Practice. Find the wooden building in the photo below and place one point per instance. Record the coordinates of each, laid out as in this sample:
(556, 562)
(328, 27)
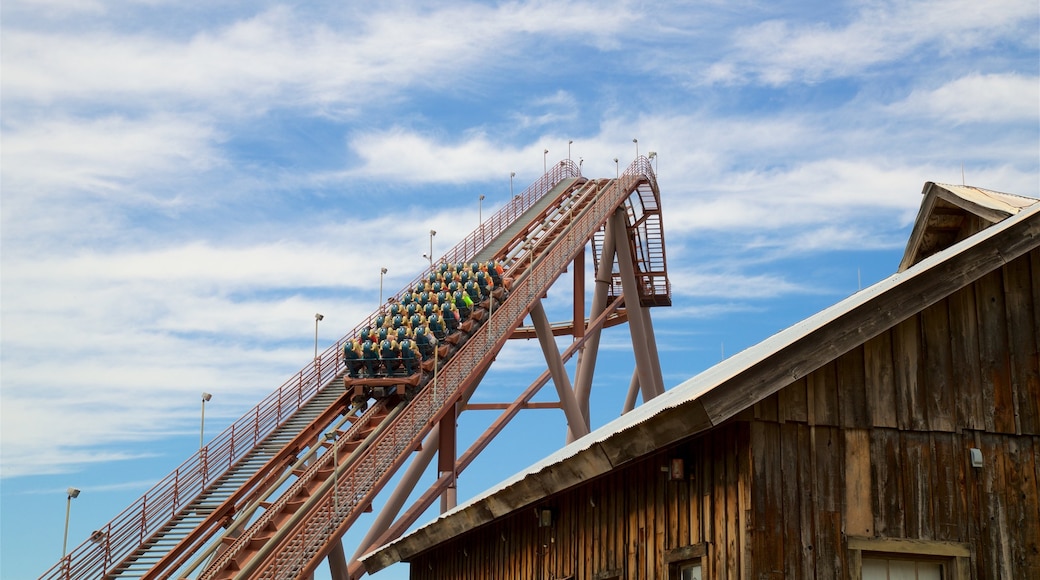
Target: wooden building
(893, 435)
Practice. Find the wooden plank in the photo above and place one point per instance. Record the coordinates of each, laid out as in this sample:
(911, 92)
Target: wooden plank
(1023, 507)
(797, 530)
(906, 349)
(1025, 374)
(662, 511)
(971, 399)
(859, 514)
(744, 486)
(852, 396)
(825, 390)
(887, 493)
(672, 508)
(707, 512)
(1034, 268)
(792, 402)
(830, 494)
(917, 492)
(909, 546)
(879, 380)
(808, 505)
(766, 409)
(732, 509)
(994, 511)
(994, 355)
(947, 488)
(938, 367)
(767, 508)
(696, 516)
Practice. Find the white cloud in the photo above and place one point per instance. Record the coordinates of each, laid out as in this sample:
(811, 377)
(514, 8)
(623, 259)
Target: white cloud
(278, 58)
(780, 51)
(108, 156)
(977, 98)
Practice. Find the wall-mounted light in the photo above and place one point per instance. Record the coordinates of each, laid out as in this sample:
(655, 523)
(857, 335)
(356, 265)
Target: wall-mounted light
(976, 457)
(545, 517)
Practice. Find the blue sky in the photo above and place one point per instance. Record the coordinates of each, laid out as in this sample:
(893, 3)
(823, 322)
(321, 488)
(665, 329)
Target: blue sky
(185, 185)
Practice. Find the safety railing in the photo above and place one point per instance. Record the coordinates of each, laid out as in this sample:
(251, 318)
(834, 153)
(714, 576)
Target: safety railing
(118, 539)
(335, 510)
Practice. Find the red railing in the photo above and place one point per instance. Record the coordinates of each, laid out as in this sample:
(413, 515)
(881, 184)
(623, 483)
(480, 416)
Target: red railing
(119, 538)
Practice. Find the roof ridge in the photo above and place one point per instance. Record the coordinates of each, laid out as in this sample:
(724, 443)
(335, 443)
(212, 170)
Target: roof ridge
(986, 190)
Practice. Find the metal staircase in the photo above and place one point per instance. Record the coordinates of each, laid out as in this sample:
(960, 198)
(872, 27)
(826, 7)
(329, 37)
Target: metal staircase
(216, 502)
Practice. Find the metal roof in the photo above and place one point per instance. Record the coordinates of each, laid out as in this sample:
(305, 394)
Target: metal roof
(738, 382)
(950, 213)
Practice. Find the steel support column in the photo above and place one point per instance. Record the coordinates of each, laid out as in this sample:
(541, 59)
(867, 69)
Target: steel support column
(633, 392)
(446, 459)
(576, 426)
(579, 295)
(647, 363)
(587, 361)
(338, 562)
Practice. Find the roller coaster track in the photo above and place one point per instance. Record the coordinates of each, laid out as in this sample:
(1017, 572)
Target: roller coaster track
(271, 496)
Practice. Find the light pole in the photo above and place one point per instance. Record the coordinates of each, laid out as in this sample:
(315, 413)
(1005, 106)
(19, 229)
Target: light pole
(636, 141)
(480, 210)
(382, 272)
(545, 156)
(317, 318)
(569, 149)
(202, 423)
(512, 174)
(71, 493)
(430, 256)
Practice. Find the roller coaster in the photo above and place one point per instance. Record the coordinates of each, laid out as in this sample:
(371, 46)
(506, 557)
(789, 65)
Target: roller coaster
(273, 495)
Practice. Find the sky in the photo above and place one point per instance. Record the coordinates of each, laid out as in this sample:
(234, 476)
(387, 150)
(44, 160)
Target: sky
(184, 184)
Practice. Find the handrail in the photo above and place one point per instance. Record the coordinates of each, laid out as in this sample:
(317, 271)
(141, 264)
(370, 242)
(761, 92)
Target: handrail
(129, 530)
(430, 404)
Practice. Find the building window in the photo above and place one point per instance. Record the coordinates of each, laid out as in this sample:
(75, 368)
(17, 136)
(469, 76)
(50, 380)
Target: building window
(885, 568)
(690, 571)
(903, 559)
(686, 563)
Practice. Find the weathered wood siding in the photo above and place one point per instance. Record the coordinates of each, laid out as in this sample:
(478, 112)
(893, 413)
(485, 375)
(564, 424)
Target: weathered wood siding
(886, 431)
(874, 444)
(618, 525)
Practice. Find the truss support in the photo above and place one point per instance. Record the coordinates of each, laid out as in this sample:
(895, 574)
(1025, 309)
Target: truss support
(576, 426)
(647, 363)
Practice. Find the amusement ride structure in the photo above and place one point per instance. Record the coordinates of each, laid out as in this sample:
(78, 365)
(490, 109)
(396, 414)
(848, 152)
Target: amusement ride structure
(273, 495)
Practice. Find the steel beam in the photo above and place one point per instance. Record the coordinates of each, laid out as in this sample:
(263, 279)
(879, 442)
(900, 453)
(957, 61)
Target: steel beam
(633, 392)
(338, 562)
(576, 426)
(647, 363)
(587, 358)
